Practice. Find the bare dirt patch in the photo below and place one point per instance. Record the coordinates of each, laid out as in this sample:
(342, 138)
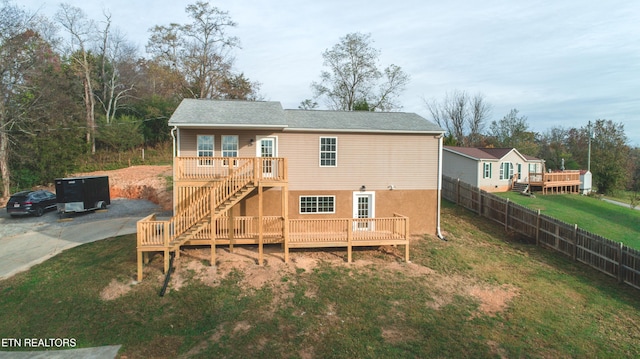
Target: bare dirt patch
(139, 182)
(115, 290)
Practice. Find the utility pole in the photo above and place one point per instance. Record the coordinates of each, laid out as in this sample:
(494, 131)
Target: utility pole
(589, 153)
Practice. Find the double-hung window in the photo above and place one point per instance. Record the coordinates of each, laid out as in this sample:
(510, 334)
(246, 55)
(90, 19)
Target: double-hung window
(328, 151)
(230, 148)
(205, 149)
(317, 204)
(486, 170)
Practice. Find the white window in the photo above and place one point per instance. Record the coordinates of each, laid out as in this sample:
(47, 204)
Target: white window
(328, 151)
(205, 149)
(487, 170)
(317, 204)
(506, 170)
(229, 148)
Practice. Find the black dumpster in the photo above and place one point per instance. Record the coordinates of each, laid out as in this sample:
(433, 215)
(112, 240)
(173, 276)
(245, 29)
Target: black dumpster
(81, 194)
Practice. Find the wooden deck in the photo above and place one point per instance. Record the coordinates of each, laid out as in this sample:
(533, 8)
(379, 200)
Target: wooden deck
(208, 187)
(155, 235)
(556, 182)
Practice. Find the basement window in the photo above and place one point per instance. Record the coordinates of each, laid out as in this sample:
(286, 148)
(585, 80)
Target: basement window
(317, 204)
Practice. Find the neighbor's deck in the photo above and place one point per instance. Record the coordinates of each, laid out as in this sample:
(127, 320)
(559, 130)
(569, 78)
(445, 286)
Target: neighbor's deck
(556, 182)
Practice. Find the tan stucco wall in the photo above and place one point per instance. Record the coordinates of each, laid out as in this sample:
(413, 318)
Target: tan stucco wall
(419, 205)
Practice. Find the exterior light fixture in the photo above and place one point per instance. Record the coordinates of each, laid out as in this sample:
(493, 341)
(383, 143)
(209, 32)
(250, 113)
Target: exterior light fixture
(363, 188)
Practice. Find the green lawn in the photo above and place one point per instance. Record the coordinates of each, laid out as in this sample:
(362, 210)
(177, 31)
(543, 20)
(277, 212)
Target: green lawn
(617, 223)
(481, 294)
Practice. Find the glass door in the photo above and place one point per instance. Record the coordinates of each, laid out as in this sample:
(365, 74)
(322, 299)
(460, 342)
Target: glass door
(363, 207)
(267, 149)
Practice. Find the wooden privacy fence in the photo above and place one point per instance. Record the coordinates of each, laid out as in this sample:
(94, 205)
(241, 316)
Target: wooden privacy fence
(609, 257)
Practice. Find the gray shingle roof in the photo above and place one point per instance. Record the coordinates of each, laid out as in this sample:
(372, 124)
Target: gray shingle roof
(486, 153)
(257, 114)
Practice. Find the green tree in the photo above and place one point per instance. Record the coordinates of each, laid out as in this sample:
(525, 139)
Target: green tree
(353, 77)
(512, 131)
(610, 156)
(553, 149)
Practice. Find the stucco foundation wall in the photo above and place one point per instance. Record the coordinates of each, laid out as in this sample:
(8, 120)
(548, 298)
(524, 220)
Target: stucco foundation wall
(419, 205)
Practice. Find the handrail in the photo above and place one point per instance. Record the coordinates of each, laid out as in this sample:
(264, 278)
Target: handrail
(212, 197)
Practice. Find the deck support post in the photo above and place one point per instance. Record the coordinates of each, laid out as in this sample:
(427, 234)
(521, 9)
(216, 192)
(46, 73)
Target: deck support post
(406, 236)
(260, 225)
(285, 224)
(212, 228)
(350, 224)
(232, 229)
(140, 260)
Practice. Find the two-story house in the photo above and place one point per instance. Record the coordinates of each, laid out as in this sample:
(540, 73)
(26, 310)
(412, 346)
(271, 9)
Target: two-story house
(253, 172)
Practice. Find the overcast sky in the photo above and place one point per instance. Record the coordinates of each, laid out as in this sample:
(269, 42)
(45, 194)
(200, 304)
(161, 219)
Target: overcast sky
(560, 63)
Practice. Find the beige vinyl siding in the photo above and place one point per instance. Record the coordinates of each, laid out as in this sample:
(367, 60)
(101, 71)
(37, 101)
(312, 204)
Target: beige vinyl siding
(377, 161)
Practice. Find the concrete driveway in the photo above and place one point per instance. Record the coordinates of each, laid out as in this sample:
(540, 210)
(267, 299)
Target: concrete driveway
(25, 242)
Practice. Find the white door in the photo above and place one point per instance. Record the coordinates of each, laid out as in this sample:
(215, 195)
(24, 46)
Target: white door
(267, 147)
(363, 207)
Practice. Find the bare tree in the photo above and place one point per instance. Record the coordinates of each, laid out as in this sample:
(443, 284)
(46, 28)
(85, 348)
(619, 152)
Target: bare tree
(480, 113)
(353, 77)
(462, 116)
(114, 53)
(82, 31)
(200, 51)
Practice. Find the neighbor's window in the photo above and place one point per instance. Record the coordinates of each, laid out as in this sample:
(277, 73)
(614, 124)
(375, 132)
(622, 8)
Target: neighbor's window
(317, 204)
(506, 170)
(487, 170)
(230, 148)
(205, 149)
(328, 151)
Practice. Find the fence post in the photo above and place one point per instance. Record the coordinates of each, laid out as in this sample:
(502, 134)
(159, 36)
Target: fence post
(575, 242)
(506, 216)
(458, 192)
(538, 229)
(620, 264)
(479, 201)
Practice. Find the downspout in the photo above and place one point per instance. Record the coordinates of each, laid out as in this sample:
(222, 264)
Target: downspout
(173, 165)
(438, 232)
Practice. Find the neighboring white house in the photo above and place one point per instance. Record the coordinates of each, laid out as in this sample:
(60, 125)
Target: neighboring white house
(490, 169)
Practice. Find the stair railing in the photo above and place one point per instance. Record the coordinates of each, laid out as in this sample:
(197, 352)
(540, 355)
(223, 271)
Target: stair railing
(210, 198)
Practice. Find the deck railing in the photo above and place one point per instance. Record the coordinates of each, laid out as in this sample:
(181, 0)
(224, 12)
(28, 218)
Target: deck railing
(311, 232)
(211, 168)
(565, 176)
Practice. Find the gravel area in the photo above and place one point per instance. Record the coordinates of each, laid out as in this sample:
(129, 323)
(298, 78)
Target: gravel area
(119, 208)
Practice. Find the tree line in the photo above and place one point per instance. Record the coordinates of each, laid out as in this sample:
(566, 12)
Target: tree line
(614, 164)
(71, 85)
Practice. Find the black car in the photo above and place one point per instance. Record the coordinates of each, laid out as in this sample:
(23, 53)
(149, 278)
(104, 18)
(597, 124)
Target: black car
(31, 202)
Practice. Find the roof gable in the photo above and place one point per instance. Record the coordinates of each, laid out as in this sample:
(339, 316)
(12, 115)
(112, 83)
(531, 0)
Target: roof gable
(486, 153)
(258, 114)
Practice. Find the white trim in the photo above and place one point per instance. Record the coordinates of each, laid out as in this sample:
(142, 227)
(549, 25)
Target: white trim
(372, 208)
(316, 212)
(369, 226)
(320, 151)
(213, 150)
(275, 145)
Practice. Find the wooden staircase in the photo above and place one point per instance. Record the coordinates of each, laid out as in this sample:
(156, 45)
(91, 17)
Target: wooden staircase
(204, 222)
(520, 187)
(188, 223)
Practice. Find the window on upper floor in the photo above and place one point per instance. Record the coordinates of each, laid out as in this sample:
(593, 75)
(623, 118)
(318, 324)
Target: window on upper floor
(205, 149)
(229, 148)
(328, 151)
